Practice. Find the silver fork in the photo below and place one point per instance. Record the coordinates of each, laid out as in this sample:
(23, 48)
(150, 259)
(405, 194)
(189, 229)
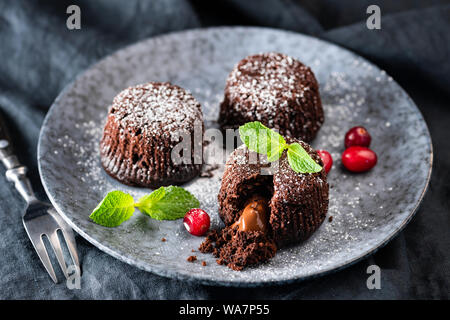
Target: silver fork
(40, 219)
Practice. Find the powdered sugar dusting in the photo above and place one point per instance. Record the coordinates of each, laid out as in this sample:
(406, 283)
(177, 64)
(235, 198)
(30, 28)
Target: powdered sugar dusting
(157, 109)
(268, 83)
(285, 179)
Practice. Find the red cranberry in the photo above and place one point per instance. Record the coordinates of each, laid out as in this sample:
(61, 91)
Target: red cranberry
(326, 158)
(359, 159)
(357, 136)
(197, 222)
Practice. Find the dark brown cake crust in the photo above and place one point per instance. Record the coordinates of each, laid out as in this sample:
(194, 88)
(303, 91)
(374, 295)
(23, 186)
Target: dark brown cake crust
(144, 124)
(298, 201)
(238, 249)
(277, 90)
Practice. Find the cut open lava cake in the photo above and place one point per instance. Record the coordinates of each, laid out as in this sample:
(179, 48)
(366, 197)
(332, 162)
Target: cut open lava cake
(264, 212)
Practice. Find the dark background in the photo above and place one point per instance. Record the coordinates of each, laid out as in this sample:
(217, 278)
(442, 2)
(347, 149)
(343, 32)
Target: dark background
(39, 56)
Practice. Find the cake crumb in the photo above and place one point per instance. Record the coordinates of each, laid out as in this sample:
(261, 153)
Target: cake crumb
(204, 263)
(245, 248)
(193, 250)
(330, 218)
(163, 240)
(191, 258)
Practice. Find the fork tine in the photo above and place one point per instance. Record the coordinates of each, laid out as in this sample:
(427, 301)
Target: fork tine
(56, 245)
(39, 246)
(68, 237)
(71, 245)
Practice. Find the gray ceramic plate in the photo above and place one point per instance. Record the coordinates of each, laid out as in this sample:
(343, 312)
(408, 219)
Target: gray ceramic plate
(368, 209)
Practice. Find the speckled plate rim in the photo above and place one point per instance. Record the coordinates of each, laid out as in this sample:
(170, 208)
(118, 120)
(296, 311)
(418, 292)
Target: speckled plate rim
(174, 275)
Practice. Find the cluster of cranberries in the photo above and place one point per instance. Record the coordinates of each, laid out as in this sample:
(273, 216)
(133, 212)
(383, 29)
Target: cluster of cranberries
(357, 156)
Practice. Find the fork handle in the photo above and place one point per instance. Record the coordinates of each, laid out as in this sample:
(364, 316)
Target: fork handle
(7, 156)
(15, 172)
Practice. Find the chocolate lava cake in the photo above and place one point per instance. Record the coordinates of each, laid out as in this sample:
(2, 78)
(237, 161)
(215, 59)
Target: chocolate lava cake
(280, 209)
(144, 124)
(277, 90)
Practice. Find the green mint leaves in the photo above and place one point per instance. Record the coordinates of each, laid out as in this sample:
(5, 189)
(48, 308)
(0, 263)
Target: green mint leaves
(260, 139)
(300, 160)
(114, 209)
(165, 203)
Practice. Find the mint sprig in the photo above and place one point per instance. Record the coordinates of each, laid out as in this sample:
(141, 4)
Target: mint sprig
(114, 209)
(165, 203)
(259, 138)
(300, 160)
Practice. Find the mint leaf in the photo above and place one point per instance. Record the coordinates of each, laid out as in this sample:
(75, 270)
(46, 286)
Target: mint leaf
(258, 138)
(300, 161)
(167, 203)
(114, 209)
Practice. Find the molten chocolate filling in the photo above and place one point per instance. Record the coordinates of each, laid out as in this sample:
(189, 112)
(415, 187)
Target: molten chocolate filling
(254, 216)
(247, 241)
